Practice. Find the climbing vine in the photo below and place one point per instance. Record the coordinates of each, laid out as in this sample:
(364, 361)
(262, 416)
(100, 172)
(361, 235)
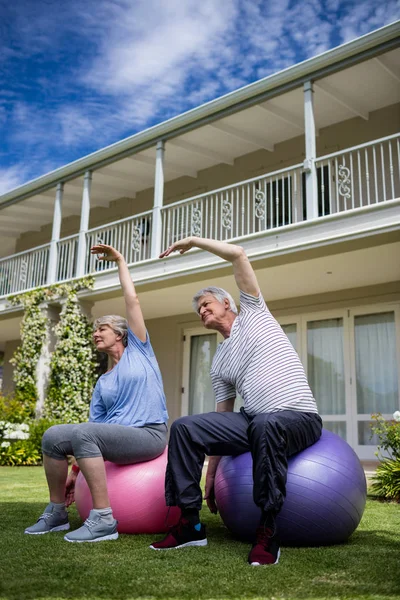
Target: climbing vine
(73, 358)
(73, 365)
(25, 359)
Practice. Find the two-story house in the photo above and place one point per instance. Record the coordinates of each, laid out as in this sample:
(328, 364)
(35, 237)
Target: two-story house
(302, 169)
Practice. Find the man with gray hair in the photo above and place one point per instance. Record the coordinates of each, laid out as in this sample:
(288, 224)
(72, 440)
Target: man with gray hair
(279, 417)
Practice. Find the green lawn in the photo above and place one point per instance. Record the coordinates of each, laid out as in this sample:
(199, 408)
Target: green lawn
(42, 567)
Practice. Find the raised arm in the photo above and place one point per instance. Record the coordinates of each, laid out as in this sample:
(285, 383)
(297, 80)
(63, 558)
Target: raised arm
(243, 271)
(134, 314)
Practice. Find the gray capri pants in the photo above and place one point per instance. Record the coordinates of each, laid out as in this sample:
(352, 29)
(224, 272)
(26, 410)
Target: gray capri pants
(119, 444)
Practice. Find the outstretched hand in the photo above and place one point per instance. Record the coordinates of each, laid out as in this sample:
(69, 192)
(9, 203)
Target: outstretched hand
(181, 246)
(108, 252)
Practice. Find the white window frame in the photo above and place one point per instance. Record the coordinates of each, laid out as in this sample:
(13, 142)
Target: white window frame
(351, 417)
(368, 452)
(187, 337)
(294, 320)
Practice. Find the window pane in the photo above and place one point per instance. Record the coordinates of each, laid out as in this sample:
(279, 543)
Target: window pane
(365, 437)
(376, 366)
(201, 395)
(326, 365)
(338, 427)
(291, 332)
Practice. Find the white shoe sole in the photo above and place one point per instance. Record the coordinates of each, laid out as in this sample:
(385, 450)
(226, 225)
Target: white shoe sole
(257, 564)
(58, 528)
(112, 536)
(197, 543)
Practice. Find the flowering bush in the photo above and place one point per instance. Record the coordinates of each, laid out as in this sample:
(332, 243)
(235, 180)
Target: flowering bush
(25, 359)
(20, 437)
(73, 366)
(386, 482)
(14, 448)
(73, 362)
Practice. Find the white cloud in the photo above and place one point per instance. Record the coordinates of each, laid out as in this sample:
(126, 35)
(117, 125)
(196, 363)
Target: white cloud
(11, 178)
(147, 60)
(360, 18)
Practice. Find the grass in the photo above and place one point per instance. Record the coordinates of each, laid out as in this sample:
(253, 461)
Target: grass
(46, 567)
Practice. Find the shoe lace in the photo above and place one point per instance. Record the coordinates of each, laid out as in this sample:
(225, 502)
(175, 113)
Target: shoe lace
(263, 536)
(45, 517)
(178, 527)
(90, 523)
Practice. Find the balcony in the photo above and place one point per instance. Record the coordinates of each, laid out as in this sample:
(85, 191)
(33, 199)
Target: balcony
(343, 183)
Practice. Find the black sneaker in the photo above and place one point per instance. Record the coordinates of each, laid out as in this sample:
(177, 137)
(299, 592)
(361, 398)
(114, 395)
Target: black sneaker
(266, 549)
(184, 534)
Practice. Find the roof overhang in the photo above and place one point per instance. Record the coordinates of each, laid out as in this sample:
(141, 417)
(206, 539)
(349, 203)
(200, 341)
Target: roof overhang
(357, 50)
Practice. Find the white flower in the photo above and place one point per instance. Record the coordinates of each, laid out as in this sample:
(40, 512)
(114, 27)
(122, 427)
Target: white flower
(5, 444)
(396, 415)
(17, 435)
(24, 427)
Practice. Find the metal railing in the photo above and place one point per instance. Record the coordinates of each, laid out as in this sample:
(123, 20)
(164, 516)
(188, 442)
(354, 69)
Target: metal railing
(357, 177)
(251, 206)
(67, 256)
(24, 271)
(360, 176)
(131, 236)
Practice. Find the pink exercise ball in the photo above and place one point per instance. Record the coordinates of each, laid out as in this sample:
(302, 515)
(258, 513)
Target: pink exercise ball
(136, 496)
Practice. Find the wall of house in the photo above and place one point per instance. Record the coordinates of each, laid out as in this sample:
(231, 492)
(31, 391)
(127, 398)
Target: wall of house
(336, 137)
(167, 333)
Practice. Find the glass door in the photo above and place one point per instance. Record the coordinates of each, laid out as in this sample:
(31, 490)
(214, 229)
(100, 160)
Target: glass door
(375, 371)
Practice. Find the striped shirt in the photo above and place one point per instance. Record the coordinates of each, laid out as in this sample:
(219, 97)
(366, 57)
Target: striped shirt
(259, 362)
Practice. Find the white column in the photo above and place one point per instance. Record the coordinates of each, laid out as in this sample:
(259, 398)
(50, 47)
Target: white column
(309, 163)
(156, 227)
(84, 226)
(55, 234)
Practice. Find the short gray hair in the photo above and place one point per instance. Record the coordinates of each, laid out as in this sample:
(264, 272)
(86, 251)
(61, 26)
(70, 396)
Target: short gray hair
(218, 293)
(118, 324)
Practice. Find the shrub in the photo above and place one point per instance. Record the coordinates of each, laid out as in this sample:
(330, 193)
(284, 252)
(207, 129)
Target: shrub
(386, 481)
(25, 359)
(13, 410)
(73, 365)
(20, 436)
(18, 454)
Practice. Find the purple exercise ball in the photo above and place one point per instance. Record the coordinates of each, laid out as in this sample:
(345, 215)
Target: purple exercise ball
(325, 499)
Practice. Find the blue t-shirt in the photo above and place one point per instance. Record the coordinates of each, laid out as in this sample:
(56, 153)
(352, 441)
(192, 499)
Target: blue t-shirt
(132, 392)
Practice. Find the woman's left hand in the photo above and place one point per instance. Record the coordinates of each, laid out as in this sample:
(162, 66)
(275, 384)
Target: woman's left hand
(109, 253)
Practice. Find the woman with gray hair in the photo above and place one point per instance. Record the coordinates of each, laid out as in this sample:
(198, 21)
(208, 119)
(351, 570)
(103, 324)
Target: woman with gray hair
(127, 419)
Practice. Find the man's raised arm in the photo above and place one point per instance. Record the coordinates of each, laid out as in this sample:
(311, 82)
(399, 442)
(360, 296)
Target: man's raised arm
(243, 271)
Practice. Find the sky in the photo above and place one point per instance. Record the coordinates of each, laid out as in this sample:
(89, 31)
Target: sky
(78, 75)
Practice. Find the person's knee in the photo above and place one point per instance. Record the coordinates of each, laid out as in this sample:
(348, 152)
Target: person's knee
(85, 442)
(179, 424)
(50, 440)
(263, 423)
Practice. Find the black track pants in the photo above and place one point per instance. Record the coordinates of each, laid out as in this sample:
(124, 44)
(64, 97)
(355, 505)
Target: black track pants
(271, 438)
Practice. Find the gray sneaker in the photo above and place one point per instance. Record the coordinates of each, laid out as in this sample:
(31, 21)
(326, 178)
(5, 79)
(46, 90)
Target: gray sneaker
(94, 529)
(50, 520)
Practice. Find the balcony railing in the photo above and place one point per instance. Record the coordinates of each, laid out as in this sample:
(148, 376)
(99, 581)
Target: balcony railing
(350, 179)
(238, 210)
(24, 271)
(67, 255)
(359, 176)
(131, 236)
